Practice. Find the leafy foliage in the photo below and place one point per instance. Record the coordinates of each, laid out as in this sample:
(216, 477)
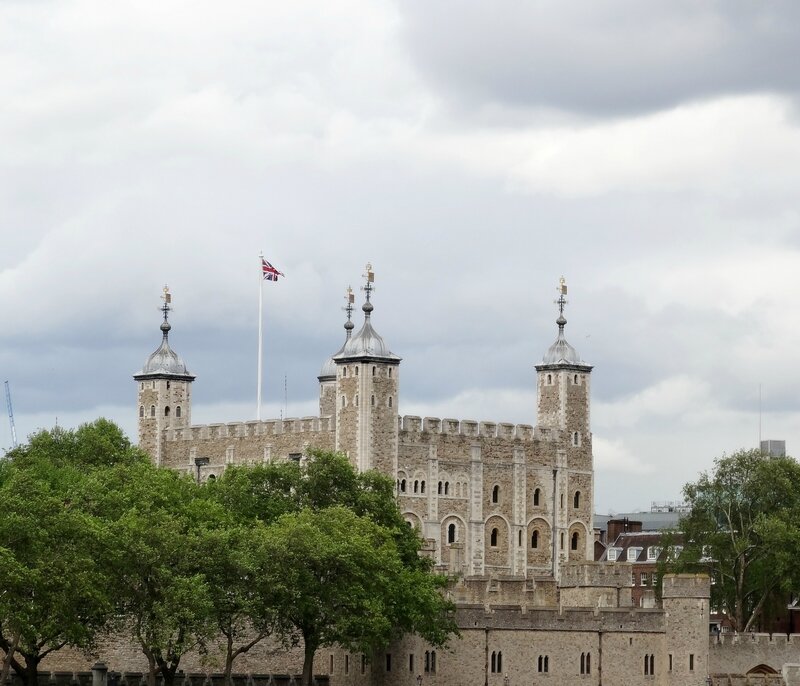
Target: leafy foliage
(744, 527)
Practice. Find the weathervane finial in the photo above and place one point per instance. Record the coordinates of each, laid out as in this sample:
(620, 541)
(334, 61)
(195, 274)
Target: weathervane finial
(165, 308)
(369, 276)
(561, 302)
(349, 298)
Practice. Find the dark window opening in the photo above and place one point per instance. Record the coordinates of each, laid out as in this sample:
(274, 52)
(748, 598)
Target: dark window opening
(535, 539)
(496, 494)
(536, 494)
(493, 538)
(574, 544)
(451, 533)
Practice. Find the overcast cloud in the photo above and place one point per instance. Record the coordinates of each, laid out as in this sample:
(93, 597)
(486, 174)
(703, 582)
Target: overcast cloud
(650, 153)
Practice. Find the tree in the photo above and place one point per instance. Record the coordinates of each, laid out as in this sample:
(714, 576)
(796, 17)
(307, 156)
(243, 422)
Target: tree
(744, 527)
(56, 589)
(267, 496)
(161, 531)
(338, 578)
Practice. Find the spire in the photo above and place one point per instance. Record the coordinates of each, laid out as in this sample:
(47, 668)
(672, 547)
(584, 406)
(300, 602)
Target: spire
(165, 362)
(561, 352)
(366, 343)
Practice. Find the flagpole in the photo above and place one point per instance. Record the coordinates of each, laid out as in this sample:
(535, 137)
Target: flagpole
(260, 329)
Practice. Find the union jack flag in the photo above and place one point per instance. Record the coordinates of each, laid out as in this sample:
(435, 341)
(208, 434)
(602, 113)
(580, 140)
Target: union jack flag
(269, 272)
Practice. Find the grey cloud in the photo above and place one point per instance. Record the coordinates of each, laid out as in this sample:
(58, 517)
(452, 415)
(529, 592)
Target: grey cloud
(607, 58)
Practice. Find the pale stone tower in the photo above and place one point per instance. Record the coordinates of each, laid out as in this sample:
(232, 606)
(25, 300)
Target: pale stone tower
(563, 386)
(367, 382)
(327, 375)
(164, 391)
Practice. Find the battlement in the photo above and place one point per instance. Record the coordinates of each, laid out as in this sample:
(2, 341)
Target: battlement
(624, 620)
(729, 640)
(596, 574)
(686, 586)
(268, 427)
(465, 427)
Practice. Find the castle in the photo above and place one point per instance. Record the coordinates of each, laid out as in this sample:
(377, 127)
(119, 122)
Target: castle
(507, 508)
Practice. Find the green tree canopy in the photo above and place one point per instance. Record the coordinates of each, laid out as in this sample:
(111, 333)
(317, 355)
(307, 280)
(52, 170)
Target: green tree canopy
(744, 527)
(56, 587)
(339, 578)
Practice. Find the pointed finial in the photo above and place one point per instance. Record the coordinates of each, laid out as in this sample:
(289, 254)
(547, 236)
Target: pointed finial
(561, 302)
(349, 298)
(369, 275)
(165, 308)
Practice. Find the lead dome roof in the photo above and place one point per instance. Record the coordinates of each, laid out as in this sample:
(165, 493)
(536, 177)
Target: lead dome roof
(164, 361)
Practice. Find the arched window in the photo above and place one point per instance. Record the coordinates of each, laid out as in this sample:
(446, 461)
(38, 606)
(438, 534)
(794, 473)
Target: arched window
(576, 500)
(433, 662)
(390, 401)
(141, 410)
(166, 411)
(440, 488)
(536, 495)
(446, 487)
(588, 663)
(178, 411)
(561, 499)
(152, 410)
(402, 485)
(451, 533)
(574, 543)
(212, 477)
(583, 663)
(422, 487)
(499, 661)
(373, 401)
(494, 662)
(374, 371)
(496, 494)
(390, 372)
(535, 539)
(652, 664)
(416, 486)
(344, 371)
(549, 379)
(646, 665)
(343, 401)
(575, 380)
(493, 539)
(356, 371)
(576, 439)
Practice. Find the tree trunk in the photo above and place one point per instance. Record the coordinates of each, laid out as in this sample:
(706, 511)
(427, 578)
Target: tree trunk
(229, 661)
(309, 649)
(153, 668)
(10, 650)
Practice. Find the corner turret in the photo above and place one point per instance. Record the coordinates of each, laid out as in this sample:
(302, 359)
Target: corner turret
(164, 391)
(367, 382)
(563, 385)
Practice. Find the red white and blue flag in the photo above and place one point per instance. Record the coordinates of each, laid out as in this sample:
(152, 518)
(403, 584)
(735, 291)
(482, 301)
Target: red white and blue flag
(269, 272)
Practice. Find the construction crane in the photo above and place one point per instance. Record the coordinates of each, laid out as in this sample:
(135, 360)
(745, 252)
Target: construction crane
(11, 417)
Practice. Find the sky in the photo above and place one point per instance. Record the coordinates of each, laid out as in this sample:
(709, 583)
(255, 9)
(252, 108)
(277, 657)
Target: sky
(473, 152)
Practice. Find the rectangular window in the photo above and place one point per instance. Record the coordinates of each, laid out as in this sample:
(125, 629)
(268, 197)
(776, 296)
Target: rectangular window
(411, 662)
(645, 579)
(633, 578)
(347, 664)
(691, 662)
(330, 671)
(388, 662)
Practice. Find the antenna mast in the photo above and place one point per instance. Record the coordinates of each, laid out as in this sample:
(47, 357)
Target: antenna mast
(11, 416)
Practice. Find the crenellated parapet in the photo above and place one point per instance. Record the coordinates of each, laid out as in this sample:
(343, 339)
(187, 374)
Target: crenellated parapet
(411, 424)
(252, 429)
